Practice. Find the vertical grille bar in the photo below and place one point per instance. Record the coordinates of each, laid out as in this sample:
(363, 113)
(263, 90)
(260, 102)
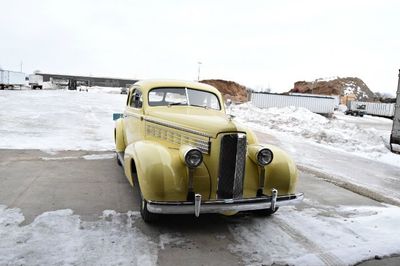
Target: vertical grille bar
(239, 166)
(231, 166)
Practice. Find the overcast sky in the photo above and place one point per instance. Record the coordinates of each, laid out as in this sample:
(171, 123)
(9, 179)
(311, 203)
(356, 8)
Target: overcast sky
(256, 43)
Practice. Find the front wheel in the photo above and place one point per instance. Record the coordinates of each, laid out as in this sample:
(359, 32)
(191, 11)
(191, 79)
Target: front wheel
(118, 161)
(147, 216)
(265, 212)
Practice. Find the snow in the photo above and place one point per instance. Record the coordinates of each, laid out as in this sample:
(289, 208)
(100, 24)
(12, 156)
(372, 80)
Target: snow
(58, 119)
(113, 90)
(54, 120)
(62, 238)
(348, 151)
(103, 156)
(340, 133)
(336, 236)
(315, 235)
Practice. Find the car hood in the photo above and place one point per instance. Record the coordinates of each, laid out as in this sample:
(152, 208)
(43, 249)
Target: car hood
(206, 121)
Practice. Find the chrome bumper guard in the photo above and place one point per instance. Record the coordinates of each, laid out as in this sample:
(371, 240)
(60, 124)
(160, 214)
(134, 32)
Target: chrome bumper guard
(223, 205)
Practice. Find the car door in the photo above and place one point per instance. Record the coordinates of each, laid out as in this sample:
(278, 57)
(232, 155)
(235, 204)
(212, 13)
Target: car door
(134, 116)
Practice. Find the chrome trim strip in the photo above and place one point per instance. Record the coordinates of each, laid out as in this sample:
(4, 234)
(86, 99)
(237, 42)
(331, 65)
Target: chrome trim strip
(238, 179)
(173, 126)
(126, 114)
(221, 206)
(261, 180)
(190, 181)
(178, 137)
(170, 125)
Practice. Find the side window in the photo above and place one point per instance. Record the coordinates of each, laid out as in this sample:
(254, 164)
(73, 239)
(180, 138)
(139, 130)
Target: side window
(136, 99)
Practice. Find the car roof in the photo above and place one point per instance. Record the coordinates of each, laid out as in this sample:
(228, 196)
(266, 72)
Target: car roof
(149, 84)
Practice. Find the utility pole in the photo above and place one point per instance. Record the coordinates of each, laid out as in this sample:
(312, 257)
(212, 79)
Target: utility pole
(198, 71)
(21, 66)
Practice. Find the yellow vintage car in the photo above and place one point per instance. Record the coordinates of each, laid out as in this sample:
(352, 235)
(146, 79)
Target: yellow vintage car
(185, 155)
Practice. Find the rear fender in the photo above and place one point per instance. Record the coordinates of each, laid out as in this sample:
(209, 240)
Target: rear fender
(119, 136)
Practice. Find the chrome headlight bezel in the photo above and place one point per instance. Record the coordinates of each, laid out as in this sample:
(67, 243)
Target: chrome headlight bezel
(264, 156)
(193, 158)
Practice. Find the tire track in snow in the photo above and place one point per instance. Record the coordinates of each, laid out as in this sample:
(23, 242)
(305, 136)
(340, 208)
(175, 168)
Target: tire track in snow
(351, 186)
(326, 257)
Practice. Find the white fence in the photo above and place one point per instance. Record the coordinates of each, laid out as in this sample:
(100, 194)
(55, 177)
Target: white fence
(320, 105)
(379, 109)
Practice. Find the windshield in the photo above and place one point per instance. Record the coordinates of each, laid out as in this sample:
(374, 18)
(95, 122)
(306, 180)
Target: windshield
(183, 96)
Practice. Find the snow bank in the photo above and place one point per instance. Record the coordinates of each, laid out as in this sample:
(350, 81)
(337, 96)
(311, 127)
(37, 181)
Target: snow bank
(343, 236)
(96, 89)
(308, 236)
(58, 119)
(331, 133)
(61, 238)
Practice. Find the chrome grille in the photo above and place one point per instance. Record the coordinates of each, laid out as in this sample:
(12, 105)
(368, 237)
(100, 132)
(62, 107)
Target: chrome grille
(231, 166)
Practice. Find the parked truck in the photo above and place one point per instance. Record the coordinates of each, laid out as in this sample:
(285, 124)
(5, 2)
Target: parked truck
(36, 81)
(11, 79)
(395, 136)
(371, 108)
(356, 109)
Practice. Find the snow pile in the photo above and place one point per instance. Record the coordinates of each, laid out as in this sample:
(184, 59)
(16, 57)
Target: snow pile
(58, 119)
(61, 238)
(342, 236)
(355, 90)
(97, 89)
(301, 122)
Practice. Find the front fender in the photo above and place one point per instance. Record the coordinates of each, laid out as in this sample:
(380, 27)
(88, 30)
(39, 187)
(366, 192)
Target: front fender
(281, 174)
(161, 173)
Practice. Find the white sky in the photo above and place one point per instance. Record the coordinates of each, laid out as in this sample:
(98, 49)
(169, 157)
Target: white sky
(256, 43)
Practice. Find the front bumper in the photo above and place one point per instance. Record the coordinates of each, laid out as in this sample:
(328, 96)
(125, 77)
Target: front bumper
(223, 205)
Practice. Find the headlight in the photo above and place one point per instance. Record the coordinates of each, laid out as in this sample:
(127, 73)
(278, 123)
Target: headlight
(264, 157)
(260, 155)
(192, 157)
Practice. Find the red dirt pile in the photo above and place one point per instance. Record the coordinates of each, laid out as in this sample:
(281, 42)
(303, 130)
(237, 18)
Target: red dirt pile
(229, 89)
(337, 86)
